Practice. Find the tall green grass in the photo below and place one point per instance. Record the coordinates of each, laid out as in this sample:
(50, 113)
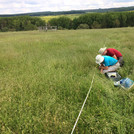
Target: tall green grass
(45, 76)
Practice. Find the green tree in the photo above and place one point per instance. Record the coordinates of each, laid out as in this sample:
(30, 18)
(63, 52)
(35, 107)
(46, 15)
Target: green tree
(130, 19)
(30, 27)
(64, 22)
(96, 25)
(53, 22)
(20, 23)
(83, 26)
(123, 19)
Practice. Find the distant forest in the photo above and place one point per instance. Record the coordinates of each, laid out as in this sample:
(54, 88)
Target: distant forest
(95, 20)
(20, 23)
(84, 21)
(73, 12)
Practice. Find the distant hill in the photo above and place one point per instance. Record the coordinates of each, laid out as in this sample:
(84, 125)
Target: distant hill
(48, 13)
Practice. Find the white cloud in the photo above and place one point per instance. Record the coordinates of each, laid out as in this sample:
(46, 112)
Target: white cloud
(25, 6)
(122, 4)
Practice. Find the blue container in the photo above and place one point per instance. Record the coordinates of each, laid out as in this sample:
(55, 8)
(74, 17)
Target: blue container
(126, 83)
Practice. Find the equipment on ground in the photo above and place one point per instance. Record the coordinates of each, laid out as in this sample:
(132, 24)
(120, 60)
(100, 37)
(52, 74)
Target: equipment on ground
(113, 76)
(125, 83)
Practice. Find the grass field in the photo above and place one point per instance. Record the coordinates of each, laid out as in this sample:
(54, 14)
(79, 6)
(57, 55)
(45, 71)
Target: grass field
(71, 16)
(45, 76)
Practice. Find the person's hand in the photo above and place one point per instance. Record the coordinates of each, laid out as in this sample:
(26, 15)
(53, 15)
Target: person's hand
(99, 67)
(115, 57)
(101, 71)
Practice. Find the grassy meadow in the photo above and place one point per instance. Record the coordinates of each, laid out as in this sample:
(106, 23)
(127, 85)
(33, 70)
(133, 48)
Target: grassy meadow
(45, 76)
(71, 16)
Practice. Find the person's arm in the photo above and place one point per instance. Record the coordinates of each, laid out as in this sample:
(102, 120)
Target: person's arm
(101, 71)
(104, 68)
(114, 56)
(101, 65)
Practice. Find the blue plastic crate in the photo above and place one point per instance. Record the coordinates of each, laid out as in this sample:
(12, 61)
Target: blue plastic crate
(126, 83)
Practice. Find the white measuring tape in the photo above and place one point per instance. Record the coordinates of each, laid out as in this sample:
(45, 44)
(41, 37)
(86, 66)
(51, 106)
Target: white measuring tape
(83, 105)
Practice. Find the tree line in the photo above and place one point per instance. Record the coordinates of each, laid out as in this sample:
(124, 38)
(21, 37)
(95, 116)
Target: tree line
(95, 20)
(20, 23)
(85, 21)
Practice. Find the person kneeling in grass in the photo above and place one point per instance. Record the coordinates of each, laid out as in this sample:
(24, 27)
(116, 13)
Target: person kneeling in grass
(113, 53)
(107, 63)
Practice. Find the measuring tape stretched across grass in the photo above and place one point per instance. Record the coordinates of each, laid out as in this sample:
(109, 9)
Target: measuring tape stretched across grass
(83, 105)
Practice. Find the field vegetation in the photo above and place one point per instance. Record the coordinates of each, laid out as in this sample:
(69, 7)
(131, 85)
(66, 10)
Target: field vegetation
(45, 76)
(48, 18)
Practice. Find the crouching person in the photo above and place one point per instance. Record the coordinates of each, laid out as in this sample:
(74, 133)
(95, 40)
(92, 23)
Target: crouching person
(113, 53)
(107, 63)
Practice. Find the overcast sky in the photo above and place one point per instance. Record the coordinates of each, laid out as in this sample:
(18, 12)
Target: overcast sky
(27, 6)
